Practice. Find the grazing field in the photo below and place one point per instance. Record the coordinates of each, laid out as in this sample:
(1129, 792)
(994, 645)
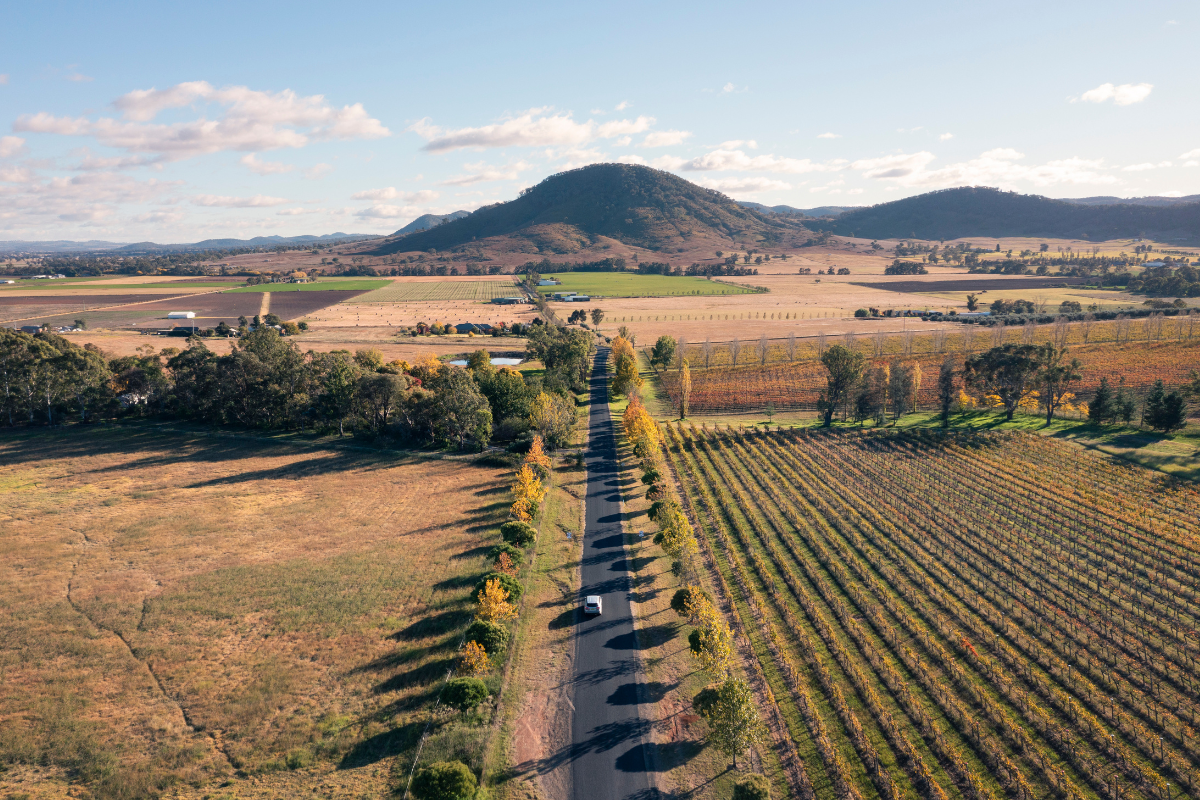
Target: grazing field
(625, 284)
(960, 616)
(181, 608)
(412, 291)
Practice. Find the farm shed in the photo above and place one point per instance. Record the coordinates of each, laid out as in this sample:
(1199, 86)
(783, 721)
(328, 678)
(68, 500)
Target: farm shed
(181, 314)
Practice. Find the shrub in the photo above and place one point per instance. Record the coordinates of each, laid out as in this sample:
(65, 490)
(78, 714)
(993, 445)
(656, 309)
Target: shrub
(518, 534)
(445, 780)
(491, 636)
(515, 554)
(465, 693)
(507, 582)
(752, 787)
(679, 601)
(861, 312)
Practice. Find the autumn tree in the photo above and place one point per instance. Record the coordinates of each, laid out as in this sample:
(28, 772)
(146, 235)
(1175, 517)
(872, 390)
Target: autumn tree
(1055, 376)
(692, 602)
(1007, 371)
(492, 604)
(528, 493)
(474, 660)
(537, 458)
(553, 416)
(733, 722)
(711, 643)
(685, 390)
(845, 369)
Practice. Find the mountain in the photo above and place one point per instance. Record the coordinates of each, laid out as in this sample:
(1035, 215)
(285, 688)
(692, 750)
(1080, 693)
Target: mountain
(426, 221)
(819, 211)
(138, 248)
(981, 211)
(1134, 201)
(573, 210)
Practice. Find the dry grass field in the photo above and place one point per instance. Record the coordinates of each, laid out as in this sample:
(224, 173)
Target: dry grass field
(183, 610)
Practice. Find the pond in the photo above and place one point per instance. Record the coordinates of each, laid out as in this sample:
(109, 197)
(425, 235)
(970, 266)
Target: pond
(496, 362)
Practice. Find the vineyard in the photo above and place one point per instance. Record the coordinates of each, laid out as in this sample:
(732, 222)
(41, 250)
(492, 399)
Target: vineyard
(798, 385)
(401, 291)
(945, 616)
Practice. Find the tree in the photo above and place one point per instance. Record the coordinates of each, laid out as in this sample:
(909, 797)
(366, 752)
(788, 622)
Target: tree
(553, 416)
(685, 390)
(518, 534)
(692, 602)
(508, 583)
(663, 352)
(845, 369)
(711, 643)
(379, 395)
(900, 388)
(464, 693)
(1007, 371)
(1103, 406)
(81, 324)
(1055, 377)
(445, 780)
(338, 380)
(492, 636)
(492, 603)
(597, 316)
(626, 377)
(537, 458)
(480, 363)
(1165, 411)
(1070, 307)
(946, 389)
(461, 412)
(752, 787)
(733, 723)
(369, 359)
(527, 493)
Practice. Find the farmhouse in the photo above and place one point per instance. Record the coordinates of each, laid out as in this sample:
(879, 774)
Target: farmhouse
(473, 327)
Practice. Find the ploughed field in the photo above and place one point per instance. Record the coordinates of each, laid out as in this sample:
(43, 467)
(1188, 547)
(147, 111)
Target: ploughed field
(179, 609)
(942, 616)
(799, 384)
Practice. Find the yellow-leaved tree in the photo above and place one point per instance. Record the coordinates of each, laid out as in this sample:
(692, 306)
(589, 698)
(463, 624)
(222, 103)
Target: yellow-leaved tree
(474, 660)
(527, 493)
(537, 458)
(493, 605)
(711, 643)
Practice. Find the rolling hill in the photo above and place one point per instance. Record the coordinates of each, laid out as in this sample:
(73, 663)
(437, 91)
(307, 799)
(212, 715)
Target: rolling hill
(427, 221)
(573, 210)
(981, 211)
(819, 211)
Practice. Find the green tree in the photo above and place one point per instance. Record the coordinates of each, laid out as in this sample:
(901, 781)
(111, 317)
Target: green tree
(460, 412)
(444, 780)
(733, 722)
(845, 368)
(339, 375)
(663, 352)
(946, 389)
(553, 416)
(492, 636)
(752, 787)
(1103, 406)
(597, 316)
(379, 396)
(464, 694)
(1055, 376)
(972, 302)
(518, 534)
(1007, 371)
(480, 363)
(1165, 411)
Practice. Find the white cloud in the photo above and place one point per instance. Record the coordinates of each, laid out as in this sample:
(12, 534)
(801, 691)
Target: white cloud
(159, 217)
(252, 162)
(1123, 95)
(1145, 166)
(317, 171)
(1192, 163)
(295, 212)
(624, 141)
(621, 106)
(77, 77)
(482, 173)
(631, 159)
(996, 167)
(731, 88)
(94, 163)
(251, 121)
(534, 128)
(945, 137)
(736, 144)
(1192, 153)
(224, 201)
(829, 135)
(738, 186)
(390, 193)
(30, 204)
(11, 146)
(388, 212)
(718, 160)
(665, 138)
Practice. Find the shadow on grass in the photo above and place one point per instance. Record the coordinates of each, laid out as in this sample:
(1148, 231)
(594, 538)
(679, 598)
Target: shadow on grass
(423, 675)
(383, 745)
(434, 625)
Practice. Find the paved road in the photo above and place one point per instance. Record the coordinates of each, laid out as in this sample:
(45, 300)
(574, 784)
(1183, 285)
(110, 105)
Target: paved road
(607, 757)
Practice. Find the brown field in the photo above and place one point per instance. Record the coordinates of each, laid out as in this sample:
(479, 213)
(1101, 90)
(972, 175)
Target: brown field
(179, 608)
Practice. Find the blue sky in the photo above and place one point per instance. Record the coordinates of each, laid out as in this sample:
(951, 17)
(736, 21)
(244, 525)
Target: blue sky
(176, 122)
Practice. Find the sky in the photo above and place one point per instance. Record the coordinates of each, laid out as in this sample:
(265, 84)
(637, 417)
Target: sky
(180, 122)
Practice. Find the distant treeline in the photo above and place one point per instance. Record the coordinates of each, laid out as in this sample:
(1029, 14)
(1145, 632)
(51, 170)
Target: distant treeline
(266, 382)
(546, 266)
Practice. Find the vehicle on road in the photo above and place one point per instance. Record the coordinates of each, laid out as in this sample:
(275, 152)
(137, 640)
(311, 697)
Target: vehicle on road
(592, 604)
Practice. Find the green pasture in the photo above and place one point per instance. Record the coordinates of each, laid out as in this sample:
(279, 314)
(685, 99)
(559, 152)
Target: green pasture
(627, 284)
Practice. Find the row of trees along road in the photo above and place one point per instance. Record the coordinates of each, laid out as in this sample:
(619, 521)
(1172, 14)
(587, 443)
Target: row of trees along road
(1012, 376)
(266, 382)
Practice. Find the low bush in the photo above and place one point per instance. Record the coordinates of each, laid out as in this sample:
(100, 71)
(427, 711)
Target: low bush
(515, 554)
(464, 693)
(445, 780)
(518, 534)
(491, 636)
(507, 582)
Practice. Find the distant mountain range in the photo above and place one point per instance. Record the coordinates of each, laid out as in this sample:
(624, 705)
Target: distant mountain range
(819, 211)
(576, 209)
(981, 211)
(427, 221)
(141, 248)
(1134, 201)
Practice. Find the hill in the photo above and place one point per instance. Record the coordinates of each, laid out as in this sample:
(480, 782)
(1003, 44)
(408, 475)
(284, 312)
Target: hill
(1106, 200)
(982, 211)
(573, 210)
(427, 221)
(139, 248)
